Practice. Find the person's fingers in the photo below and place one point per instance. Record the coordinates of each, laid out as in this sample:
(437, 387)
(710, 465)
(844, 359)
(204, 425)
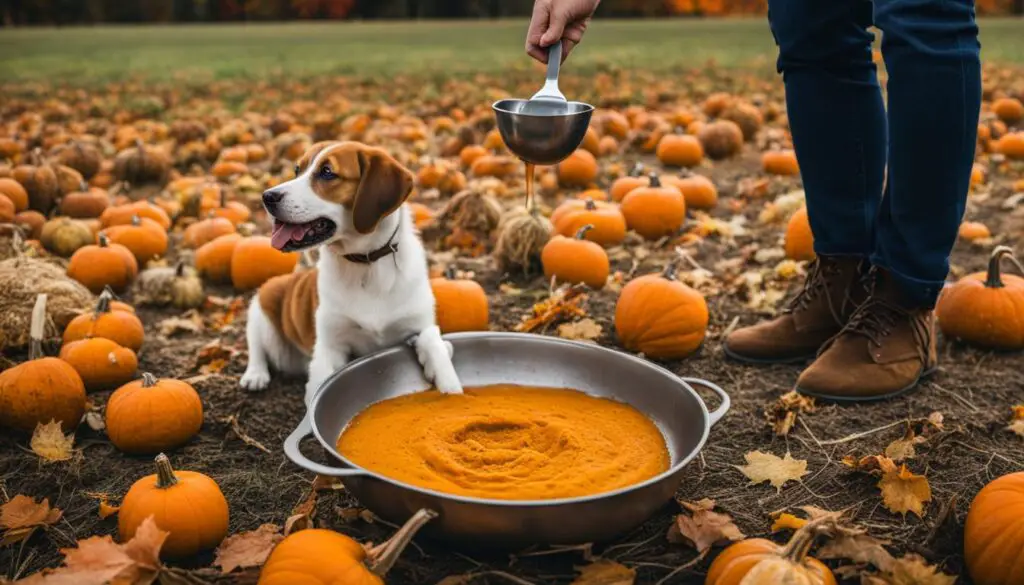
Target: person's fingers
(537, 53)
(557, 20)
(538, 25)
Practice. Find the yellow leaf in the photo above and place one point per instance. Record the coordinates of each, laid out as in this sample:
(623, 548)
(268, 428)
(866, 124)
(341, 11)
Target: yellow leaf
(777, 471)
(1017, 422)
(788, 522)
(903, 449)
(912, 570)
(903, 491)
(605, 572)
(582, 330)
(50, 443)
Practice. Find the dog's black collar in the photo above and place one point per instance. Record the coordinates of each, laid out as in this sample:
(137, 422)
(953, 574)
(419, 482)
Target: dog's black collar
(391, 247)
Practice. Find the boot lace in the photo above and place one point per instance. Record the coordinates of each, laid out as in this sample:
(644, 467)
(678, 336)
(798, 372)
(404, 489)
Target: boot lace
(817, 284)
(876, 318)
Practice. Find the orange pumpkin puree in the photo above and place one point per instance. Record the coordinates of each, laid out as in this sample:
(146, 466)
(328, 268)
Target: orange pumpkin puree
(507, 442)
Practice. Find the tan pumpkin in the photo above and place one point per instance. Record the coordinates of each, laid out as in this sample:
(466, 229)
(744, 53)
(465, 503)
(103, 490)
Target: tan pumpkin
(578, 170)
(721, 139)
(151, 415)
(745, 115)
(799, 242)
(188, 505)
(254, 261)
(461, 304)
(142, 165)
(120, 326)
(101, 363)
(985, 308)
(661, 317)
(993, 546)
(206, 230)
(23, 403)
(680, 150)
(654, 211)
(13, 190)
(608, 225)
(145, 238)
(63, 236)
(575, 260)
(213, 259)
(759, 561)
(178, 286)
(103, 265)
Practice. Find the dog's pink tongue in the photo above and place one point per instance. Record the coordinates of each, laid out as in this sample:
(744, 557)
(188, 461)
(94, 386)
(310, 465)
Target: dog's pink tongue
(286, 232)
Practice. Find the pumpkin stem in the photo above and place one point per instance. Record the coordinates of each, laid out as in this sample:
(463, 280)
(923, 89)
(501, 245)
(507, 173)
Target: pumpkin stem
(994, 278)
(179, 269)
(589, 205)
(800, 544)
(223, 198)
(582, 233)
(382, 557)
(104, 241)
(637, 170)
(148, 380)
(136, 220)
(83, 186)
(449, 272)
(669, 273)
(165, 477)
(655, 181)
(37, 328)
(103, 302)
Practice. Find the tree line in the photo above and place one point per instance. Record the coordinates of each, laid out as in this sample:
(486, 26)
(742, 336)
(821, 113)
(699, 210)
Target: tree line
(71, 12)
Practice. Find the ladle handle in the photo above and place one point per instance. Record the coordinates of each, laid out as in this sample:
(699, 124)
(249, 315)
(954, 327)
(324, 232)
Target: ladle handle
(554, 61)
(717, 414)
(291, 449)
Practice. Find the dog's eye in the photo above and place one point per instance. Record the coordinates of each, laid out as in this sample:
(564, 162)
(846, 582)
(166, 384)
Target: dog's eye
(326, 172)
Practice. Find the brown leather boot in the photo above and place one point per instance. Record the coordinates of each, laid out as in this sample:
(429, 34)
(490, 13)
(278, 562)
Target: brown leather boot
(884, 350)
(831, 293)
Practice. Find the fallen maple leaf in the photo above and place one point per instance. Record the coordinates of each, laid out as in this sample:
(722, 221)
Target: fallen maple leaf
(247, 549)
(704, 527)
(858, 547)
(1017, 422)
(763, 467)
(911, 570)
(903, 449)
(605, 572)
(191, 322)
(214, 354)
(582, 330)
(782, 414)
(21, 516)
(903, 491)
(562, 304)
(50, 443)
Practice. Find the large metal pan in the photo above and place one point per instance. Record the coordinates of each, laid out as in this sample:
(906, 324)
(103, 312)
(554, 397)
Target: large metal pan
(514, 358)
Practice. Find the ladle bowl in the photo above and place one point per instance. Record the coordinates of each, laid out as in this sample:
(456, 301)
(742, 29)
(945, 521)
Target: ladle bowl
(548, 133)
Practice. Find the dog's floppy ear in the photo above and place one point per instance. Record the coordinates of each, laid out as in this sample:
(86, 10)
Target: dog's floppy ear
(384, 186)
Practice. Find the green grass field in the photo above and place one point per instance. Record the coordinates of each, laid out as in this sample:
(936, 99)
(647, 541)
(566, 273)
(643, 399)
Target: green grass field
(80, 56)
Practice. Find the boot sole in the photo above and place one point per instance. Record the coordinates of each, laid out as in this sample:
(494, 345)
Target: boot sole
(767, 361)
(880, 397)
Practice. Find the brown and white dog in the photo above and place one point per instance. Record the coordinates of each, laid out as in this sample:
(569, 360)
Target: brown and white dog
(371, 288)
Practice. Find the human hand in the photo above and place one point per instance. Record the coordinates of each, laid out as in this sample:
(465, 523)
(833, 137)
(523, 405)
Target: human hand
(558, 19)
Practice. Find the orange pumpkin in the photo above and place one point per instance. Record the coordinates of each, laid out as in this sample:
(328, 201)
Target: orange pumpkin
(493, 141)
(6, 210)
(101, 363)
(151, 415)
(780, 162)
(593, 195)
(213, 259)
(322, 557)
(759, 561)
(993, 546)
(421, 214)
(143, 237)
(234, 211)
(661, 317)
(85, 203)
(591, 142)
(698, 190)
(799, 244)
(576, 260)
(973, 230)
(121, 327)
(654, 211)
(608, 146)
(1009, 110)
(1011, 145)
(15, 192)
(578, 170)
(606, 220)
(680, 150)
(254, 261)
(41, 389)
(977, 175)
(32, 221)
(102, 265)
(623, 185)
(186, 504)
(469, 154)
(124, 214)
(206, 230)
(494, 166)
(985, 308)
(461, 304)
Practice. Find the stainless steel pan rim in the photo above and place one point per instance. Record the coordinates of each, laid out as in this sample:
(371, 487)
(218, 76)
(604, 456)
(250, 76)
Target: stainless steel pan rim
(306, 427)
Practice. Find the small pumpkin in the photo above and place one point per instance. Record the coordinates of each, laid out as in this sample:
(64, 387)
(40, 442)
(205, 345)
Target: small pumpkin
(85, 203)
(234, 211)
(576, 260)
(101, 363)
(1009, 110)
(680, 150)
(494, 166)
(15, 192)
(213, 259)
(579, 169)
(254, 261)
(461, 304)
(721, 139)
(430, 174)
(143, 236)
(142, 165)
(120, 326)
(206, 230)
(698, 191)
(799, 243)
(661, 317)
(993, 545)
(150, 415)
(316, 556)
(42, 388)
(973, 230)
(98, 266)
(64, 236)
(82, 156)
(422, 215)
(123, 214)
(6, 210)
(654, 211)
(32, 221)
(225, 169)
(187, 504)
(780, 162)
(745, 115)
(177, 286)
(591, 142)
(593, 195)
(717, 103)
(40, 183)
(623, 185)
(608, 225)
(985, 308)
(759, 561)
(1011, 145)
(469, 154)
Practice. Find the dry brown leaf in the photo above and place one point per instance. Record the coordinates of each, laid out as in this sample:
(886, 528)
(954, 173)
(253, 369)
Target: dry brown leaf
(215, 353)
(777, 471)
(563, 304)
(464, 579)
(903, 491)
(236, 428)
(704, 527)
(903, 449)
(325, 482)
(913, 570)
(582, 330)
(302, 515)
(50, 443)
(1017, 422)
(936, 419)
(247, 549)
(21, 516)
(191, 322)
(857, 547)
(782, 414)
(605, 572)
(875, 464)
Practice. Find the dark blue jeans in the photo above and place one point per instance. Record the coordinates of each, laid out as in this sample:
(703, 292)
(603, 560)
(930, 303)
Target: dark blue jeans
(845, 140)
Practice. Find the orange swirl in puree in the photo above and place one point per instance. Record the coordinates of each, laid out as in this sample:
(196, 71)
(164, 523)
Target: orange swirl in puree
(507, 442)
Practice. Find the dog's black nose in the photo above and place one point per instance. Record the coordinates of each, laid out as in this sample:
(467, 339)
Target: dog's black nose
(271, 197)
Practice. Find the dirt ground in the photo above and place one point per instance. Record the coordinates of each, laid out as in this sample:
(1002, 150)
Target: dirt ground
(974, 390)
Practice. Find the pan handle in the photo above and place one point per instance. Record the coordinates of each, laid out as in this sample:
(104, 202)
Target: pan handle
(291, 449)
(723, 408)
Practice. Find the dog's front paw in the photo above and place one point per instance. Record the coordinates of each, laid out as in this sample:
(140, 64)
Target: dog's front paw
(255, 380)
(311, 389)
(435, 355)
(448, 382)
